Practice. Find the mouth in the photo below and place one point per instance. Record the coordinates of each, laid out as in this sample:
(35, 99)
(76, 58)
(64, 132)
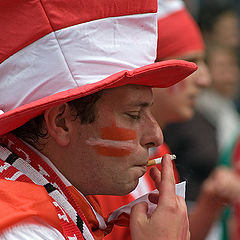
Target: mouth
(143, 167)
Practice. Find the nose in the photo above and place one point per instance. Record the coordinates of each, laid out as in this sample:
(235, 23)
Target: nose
(152, 133)
(202, 77)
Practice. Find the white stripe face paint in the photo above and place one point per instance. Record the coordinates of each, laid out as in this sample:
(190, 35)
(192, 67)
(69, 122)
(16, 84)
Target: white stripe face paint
(127, 145)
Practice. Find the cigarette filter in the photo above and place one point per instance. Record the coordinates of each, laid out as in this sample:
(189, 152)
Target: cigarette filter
(158, 160)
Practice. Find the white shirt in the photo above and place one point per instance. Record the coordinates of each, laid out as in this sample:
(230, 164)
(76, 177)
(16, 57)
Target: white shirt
(32, 228)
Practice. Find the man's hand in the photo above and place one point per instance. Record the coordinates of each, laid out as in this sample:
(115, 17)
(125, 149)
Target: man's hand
(169, 221)
(222, 186)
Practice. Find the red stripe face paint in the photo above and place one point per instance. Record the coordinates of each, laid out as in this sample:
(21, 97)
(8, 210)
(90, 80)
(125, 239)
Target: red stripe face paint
(114, 141)
(112, 151)
(118, 134)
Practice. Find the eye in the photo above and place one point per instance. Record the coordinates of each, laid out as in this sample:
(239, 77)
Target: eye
(134, 115)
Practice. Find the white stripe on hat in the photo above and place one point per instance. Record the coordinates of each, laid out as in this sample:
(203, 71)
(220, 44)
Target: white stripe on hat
(77, 55)
(167, 7)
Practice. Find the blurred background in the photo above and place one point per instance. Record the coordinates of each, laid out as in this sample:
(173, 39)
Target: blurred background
(210, 138)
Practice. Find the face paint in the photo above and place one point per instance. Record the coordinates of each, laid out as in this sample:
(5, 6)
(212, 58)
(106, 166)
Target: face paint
(111, 147)
(114, 141)
(118, 134)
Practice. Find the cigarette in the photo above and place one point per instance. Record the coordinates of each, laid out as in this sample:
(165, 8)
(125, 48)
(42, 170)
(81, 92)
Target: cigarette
(158, 160)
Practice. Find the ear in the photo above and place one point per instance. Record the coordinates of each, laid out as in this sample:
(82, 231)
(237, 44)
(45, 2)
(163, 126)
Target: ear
(58, 120)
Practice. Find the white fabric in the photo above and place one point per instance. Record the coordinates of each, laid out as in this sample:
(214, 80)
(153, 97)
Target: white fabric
(32, 229)
(167, 7)
(142, 188)
(77, 55)
(180, 189)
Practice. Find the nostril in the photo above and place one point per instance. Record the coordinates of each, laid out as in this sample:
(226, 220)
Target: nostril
(150, 145)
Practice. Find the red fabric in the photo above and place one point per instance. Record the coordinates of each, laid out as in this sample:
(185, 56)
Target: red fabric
(236, 165)
(236, 156)
(87, 211)
(25, 21)
(24, 152)
(161, 74)
(110, 203)
(178, 39)
(22, 200)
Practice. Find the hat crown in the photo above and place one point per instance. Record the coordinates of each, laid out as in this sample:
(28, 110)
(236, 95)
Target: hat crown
(52, 46)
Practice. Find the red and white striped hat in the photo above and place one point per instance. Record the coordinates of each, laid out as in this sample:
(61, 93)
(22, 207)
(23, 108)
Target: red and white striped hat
(178, 33)
(54, 51)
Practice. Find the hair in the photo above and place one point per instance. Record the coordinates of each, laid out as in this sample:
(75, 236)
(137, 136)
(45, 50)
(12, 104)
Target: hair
(83, 108)
(210, 11)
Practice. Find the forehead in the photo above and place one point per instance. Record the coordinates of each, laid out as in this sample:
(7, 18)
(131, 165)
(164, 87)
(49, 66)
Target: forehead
(128, 95)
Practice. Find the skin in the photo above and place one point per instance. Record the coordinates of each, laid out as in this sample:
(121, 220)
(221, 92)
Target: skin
(177, 103)
(224, 70)
(69, 142)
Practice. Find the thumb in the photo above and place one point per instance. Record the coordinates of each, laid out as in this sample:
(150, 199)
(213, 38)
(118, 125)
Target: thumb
(138, 220)
(138, 213)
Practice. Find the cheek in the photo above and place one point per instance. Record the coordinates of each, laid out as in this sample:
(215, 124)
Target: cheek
(115, 141)
(177, 88)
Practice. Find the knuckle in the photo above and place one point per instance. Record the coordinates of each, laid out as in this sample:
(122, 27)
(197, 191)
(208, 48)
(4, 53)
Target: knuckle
(172, 206)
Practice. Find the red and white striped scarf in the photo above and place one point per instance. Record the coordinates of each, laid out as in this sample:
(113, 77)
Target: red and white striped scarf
(19, 162)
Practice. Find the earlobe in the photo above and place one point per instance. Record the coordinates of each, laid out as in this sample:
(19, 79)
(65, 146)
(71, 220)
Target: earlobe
(57, 119)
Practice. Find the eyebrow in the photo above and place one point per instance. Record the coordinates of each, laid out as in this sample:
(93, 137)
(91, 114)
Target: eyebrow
(141, 104)
(192, 59)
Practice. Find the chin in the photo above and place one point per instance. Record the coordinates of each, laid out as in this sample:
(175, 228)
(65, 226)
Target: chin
(129, 188)
(187, 115)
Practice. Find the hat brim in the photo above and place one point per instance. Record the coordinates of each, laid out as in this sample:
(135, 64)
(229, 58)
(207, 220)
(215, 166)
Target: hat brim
(157, 75)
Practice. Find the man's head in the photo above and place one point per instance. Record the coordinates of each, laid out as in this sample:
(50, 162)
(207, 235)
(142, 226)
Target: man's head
(179, 37)
(224, 70)
(65, 53)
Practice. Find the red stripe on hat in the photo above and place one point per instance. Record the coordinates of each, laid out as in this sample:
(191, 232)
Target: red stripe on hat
(22, 22)
(25, 21)
(178, 34)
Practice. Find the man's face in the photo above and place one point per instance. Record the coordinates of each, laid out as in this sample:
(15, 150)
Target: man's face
(224, 71)
(110, 155)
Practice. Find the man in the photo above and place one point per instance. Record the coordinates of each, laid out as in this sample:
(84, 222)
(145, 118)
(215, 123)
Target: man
(64, 67)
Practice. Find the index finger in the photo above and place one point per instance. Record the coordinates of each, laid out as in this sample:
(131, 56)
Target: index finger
(167, 184)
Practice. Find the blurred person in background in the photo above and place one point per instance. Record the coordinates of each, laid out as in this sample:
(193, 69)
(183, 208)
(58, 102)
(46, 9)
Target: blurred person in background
(216, 102)
(176, 104)
(204, 141)
(199, 142)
